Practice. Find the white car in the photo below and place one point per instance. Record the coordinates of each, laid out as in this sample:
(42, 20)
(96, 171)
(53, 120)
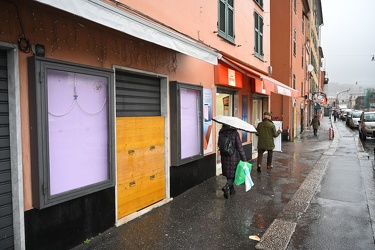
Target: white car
(367, 125)
(353, 121)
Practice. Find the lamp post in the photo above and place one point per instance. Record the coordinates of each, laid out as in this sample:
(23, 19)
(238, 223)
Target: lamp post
(337, 97)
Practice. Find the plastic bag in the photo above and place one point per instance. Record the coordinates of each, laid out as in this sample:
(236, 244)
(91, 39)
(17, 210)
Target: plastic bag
(240, 175)
(248, 181)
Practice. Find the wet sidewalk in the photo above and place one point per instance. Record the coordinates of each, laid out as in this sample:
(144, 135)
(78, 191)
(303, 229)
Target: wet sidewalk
(201, 218)
(341, 214)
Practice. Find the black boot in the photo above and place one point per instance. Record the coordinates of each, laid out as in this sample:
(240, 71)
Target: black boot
(232, 191)
(226, 191)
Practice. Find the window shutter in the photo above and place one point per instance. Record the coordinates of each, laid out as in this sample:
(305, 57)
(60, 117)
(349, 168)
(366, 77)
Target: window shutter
(222, 29)
(231, 20)
(226, 19)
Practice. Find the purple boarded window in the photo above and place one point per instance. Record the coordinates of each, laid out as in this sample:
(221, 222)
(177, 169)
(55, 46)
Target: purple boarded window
(77, 130)
(190, 124)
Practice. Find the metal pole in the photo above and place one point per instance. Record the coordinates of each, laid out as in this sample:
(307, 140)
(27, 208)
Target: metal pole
(337, 97)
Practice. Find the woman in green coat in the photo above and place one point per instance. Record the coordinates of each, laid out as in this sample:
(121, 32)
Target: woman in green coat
(266, 131)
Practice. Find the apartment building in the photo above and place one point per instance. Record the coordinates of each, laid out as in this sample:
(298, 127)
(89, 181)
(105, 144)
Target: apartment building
(296, 60)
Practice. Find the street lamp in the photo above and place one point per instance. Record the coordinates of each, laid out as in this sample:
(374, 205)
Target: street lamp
(337, 97)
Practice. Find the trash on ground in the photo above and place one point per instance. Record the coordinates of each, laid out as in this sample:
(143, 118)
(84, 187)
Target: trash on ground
(254, 237)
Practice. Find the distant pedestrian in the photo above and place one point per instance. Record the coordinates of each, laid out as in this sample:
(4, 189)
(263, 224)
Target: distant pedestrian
(315, 123)
(335, 114)
(229, 162)
(266, 131)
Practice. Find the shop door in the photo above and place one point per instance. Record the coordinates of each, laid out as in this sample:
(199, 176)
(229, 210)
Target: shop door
(6, 206)
(256, 117)
(139, 143)
(224, 106)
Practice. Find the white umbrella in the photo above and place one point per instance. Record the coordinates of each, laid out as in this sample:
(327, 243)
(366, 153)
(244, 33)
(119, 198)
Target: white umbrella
(235, 122)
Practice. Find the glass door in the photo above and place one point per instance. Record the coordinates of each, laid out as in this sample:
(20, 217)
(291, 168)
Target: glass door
(224, 106)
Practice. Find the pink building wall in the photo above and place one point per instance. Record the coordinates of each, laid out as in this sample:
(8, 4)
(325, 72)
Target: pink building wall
(198, 19)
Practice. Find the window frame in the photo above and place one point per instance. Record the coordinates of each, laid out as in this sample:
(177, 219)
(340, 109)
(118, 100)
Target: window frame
(259, 3)
(303, 57)
(39, 131)
(178, 134)
(227, 10)
(303, 24)
(258, 36)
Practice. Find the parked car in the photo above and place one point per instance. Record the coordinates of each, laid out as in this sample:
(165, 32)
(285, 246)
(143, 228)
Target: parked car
(367, 125)
(354, 118)
(342, 114)
(345, 113)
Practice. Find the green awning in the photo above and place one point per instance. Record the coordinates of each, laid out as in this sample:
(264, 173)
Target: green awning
(317, 106)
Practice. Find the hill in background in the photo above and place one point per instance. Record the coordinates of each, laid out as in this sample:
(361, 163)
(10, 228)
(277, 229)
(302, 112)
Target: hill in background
(332, 89)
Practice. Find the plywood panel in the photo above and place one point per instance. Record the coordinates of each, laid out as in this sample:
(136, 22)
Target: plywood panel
(140, 193)
(140, 163)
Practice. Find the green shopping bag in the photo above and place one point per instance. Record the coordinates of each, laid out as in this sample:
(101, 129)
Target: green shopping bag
(240, 175)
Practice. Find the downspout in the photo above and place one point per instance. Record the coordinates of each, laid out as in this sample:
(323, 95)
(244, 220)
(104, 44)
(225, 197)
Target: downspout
(290, 122)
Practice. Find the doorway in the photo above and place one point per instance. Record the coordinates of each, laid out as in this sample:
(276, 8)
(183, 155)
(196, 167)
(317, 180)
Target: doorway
(140, 142)
(224, 106)
(256, 117)
(11, 183)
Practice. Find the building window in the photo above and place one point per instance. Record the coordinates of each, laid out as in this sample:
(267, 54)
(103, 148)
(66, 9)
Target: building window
(186, 123)
(259, 2)
(295, 42)
(226, 19)
(303, 24)
(294, 81)
(302, 90)
(71, 115)
(303, 56)
(295, 5)
(258, 35)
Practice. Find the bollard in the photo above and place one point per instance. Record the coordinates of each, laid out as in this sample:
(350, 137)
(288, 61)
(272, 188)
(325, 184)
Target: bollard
(330, 133)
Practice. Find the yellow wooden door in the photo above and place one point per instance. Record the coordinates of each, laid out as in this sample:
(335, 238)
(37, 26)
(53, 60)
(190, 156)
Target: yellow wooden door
(140, 162)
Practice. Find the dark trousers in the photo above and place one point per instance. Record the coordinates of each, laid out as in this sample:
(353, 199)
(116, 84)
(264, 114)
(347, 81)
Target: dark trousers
(260, 157)
(230, 182)
(315, 131)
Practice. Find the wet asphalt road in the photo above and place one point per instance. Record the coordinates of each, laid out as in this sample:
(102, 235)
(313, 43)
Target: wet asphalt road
(202, 219)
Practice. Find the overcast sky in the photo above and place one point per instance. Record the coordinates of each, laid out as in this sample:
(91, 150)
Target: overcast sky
(348, 43)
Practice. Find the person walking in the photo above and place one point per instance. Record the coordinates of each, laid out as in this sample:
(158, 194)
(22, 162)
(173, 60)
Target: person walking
(266, 131)
(335, 115)
(229, 162)
(315, 123)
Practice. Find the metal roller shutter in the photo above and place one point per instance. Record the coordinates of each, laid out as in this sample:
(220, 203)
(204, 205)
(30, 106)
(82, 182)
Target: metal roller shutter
(137, 95)
(6, 211)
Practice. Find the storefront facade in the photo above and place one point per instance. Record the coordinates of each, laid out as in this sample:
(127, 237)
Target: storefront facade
(109, 115)
(90, 124)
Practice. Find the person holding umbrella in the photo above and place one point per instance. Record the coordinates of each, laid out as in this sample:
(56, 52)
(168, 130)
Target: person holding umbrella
(230, 159)
(266, 131)
(229, 162)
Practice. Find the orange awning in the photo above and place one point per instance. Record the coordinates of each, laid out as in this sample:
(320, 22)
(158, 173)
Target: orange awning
(280, 88)
(263, 84)
(240, 67)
